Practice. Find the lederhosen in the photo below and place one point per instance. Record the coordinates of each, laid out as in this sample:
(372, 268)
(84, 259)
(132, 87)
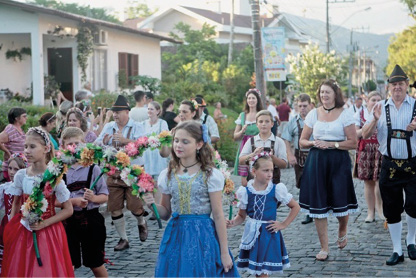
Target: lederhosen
(300, 157)
(398, 175)
(120, 191)
(116, 179)
(276, 170)
(85, 231)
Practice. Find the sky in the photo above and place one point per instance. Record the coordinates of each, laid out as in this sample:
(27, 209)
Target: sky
(385, 16)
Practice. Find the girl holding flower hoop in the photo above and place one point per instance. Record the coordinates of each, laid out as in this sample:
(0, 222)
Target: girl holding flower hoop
(193, 245)
(19, 252)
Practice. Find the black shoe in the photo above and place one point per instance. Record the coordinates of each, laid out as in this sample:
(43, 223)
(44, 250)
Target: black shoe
(411, 251)
(395, 259)
(307, 220)
(122, 245)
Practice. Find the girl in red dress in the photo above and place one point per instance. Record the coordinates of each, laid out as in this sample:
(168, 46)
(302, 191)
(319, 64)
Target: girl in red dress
(19, 252)
(16, 162)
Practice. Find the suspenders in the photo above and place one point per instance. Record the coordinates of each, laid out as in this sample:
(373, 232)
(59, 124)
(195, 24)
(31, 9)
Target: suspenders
(398, 133)
(299, 131)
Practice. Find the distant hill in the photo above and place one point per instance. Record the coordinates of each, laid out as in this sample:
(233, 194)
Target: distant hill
(340, 38)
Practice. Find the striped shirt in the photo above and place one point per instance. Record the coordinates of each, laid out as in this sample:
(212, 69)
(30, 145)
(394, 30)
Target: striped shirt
(16, 143)
(400, 119)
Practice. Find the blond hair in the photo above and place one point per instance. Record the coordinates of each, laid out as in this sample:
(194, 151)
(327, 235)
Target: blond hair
(71, 132)
(264, 113)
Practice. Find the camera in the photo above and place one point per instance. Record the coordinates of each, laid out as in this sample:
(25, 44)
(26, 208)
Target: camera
(89, 113)
(267, 149)
(99, 110)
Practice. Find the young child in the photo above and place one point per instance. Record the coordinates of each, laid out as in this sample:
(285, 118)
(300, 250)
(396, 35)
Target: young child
(85, 229)
(262, 250)
(16, 162)
(265, 141)
(19, 252)
(193, 245)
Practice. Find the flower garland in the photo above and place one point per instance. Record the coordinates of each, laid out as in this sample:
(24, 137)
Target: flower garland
(36, 204)
(153, 142)
(229, 194)
(141, 183)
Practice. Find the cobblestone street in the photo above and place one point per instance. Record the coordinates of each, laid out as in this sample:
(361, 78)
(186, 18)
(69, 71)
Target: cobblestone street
(368, 246)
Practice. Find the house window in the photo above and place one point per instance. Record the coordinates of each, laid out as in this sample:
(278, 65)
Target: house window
(128, 66)
(99, 70)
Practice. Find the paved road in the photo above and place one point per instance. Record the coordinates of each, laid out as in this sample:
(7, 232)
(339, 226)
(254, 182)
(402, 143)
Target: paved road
(368, 247)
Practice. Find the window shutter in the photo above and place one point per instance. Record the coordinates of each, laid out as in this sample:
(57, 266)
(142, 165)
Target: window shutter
(135, 65)
(122, 63)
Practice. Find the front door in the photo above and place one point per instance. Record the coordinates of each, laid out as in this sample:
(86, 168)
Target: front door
(60, 66)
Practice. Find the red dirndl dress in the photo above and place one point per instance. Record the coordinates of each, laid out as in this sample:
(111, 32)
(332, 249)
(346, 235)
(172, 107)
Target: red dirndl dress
(19, 252)
(7, 201)
(368, 156)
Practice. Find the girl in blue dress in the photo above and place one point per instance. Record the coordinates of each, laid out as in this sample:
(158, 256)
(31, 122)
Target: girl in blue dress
(193, 245)
(262, 250)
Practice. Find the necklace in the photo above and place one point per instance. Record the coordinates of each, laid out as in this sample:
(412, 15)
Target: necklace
(328, 110)
(186, 167)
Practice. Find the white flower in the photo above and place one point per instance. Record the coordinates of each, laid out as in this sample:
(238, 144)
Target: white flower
(44, 205)
(109, 152)
(68, 159)
(125, 174)
(53, 168)
(153, 142)
(24, 211)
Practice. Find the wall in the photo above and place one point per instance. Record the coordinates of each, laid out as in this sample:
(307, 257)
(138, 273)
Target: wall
(15, 75)
(147, 48)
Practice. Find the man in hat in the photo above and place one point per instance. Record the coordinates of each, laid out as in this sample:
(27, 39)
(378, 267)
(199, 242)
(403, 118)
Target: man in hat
(395, 121)
(119, 133)
(208, 121)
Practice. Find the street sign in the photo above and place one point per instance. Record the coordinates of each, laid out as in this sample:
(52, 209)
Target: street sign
(273, 44)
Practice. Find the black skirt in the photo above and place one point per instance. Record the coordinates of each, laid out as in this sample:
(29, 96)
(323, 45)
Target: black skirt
(326, 186)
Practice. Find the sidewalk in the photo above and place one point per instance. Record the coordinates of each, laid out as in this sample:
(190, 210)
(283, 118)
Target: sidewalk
(368, 248)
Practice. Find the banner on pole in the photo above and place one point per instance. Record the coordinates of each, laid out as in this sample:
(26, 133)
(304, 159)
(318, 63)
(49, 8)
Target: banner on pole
(273, 43)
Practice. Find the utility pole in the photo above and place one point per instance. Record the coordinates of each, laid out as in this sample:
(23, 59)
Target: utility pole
(350, 66)
(328, 37)
(230, 47)
(258, 56)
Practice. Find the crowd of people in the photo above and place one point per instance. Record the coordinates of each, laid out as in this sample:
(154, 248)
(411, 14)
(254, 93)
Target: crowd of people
(316, 142)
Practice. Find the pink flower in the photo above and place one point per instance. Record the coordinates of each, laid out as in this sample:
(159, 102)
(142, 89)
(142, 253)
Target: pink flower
(112, 170)
(47, 190)
(71, 148)
(142, 141)
(217, 155)
(58, 154)
(131, 149)
(146, 183)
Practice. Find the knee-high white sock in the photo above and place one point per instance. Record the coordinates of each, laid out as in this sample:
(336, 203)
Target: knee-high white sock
(140, 219)
(396, 237)
(411, 229)
(120, 227)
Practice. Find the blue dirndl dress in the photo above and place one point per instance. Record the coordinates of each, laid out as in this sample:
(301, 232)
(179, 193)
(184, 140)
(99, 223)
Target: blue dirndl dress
(190, 245)
(261, 251)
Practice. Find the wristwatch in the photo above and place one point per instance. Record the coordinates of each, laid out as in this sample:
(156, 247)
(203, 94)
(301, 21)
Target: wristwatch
(336, 145)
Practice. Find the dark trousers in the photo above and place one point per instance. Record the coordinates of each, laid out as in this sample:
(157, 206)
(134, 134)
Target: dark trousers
(274, 128)
(398, 175)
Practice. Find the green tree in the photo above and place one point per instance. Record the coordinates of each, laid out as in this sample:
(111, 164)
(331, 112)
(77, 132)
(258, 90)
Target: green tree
(312, 66)
(402, 51)
(88, 11)
(137, 9)
(411, 6)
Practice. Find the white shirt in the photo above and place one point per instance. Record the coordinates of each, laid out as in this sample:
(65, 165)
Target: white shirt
(139, 114)
(329, 131)
(279, 146)
(273, 110)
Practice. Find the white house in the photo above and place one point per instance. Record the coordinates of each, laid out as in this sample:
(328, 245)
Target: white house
(51, 37)
(164, 21)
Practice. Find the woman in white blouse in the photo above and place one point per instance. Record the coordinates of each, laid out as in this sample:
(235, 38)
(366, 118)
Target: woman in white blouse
(326, 186)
